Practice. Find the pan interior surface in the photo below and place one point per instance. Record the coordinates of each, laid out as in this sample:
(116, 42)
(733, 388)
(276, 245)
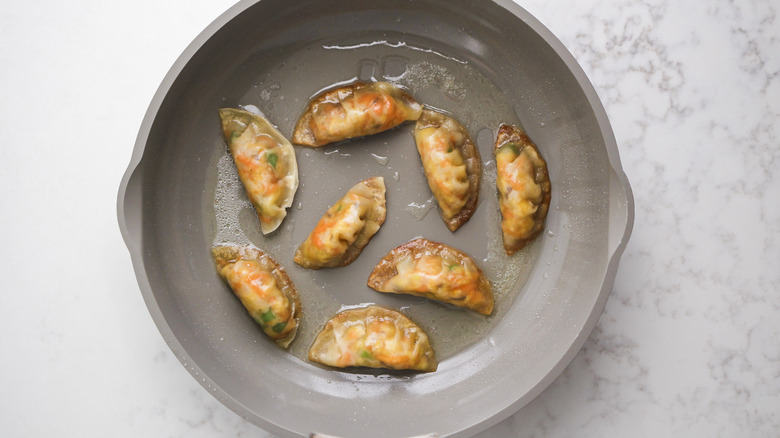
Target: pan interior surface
(479, 62)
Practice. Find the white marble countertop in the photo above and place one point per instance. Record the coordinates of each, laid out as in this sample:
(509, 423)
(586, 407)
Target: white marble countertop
(688, 344)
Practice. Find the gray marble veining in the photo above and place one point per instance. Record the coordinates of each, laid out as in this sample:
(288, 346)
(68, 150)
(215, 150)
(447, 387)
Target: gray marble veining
(688, 342)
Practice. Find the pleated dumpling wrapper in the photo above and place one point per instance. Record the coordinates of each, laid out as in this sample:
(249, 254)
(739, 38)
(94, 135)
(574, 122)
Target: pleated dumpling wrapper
(354, 110)
(263, 287)
(266, 164)
(346, 228)
(452, 165)
(523, 187)
(436, 271)
(374, 337)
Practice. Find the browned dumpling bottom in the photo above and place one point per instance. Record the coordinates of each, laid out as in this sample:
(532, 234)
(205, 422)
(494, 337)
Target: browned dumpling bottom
(452, 166)
(263, 287)
(523, 187)
(346, 228)
(374, 337)
(354, 110)
(436, 271)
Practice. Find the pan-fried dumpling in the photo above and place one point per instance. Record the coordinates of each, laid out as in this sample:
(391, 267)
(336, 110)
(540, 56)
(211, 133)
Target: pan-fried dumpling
(264, 289)
(266, 164)
(345, 229)
(354, 111)
(452, 166)
(436, 271)
(523, 187)
(373, 337)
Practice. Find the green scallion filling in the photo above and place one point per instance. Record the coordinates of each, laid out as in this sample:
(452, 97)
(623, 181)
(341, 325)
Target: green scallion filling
(513, 147)
(272, 159)
(278, 328)
(267, 316)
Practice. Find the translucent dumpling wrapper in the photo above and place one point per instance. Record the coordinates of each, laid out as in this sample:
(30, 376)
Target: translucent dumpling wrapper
(436, 271)
(263, 287)
(265, 162)
(354, 110)
(452, 166)
(374, 337)
(346, 228)
(523, 187)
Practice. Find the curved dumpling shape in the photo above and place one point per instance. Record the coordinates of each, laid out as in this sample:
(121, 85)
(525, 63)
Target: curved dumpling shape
(263, 287)
(436, 271)
(266, 164)
(452, 166)
(346, 228)
(523, 187)
(354, 110)
(373, 337)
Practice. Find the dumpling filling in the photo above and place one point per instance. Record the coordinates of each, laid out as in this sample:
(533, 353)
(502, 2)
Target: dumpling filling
(354, 110)
(523, 187)
(265, 162)
(346, 228)
(263, 287)
(373, 337)
(435, 271)
(452, 166)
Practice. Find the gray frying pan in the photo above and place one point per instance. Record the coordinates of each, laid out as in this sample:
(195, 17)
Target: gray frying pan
(484, 62)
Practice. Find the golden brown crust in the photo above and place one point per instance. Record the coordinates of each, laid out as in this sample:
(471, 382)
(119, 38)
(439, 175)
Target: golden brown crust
(476, 294)
(227, 254)
(370, 194)
(313, 128)
(471, 159)
(374, 337)
(509, 135)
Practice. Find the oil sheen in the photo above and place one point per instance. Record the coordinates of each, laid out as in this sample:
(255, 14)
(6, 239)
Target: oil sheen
(437, 79)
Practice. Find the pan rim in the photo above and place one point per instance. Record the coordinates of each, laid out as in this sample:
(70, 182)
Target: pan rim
(129, 195)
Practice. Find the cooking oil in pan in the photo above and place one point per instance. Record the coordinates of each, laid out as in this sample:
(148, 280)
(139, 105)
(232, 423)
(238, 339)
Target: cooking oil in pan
(437, 79)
